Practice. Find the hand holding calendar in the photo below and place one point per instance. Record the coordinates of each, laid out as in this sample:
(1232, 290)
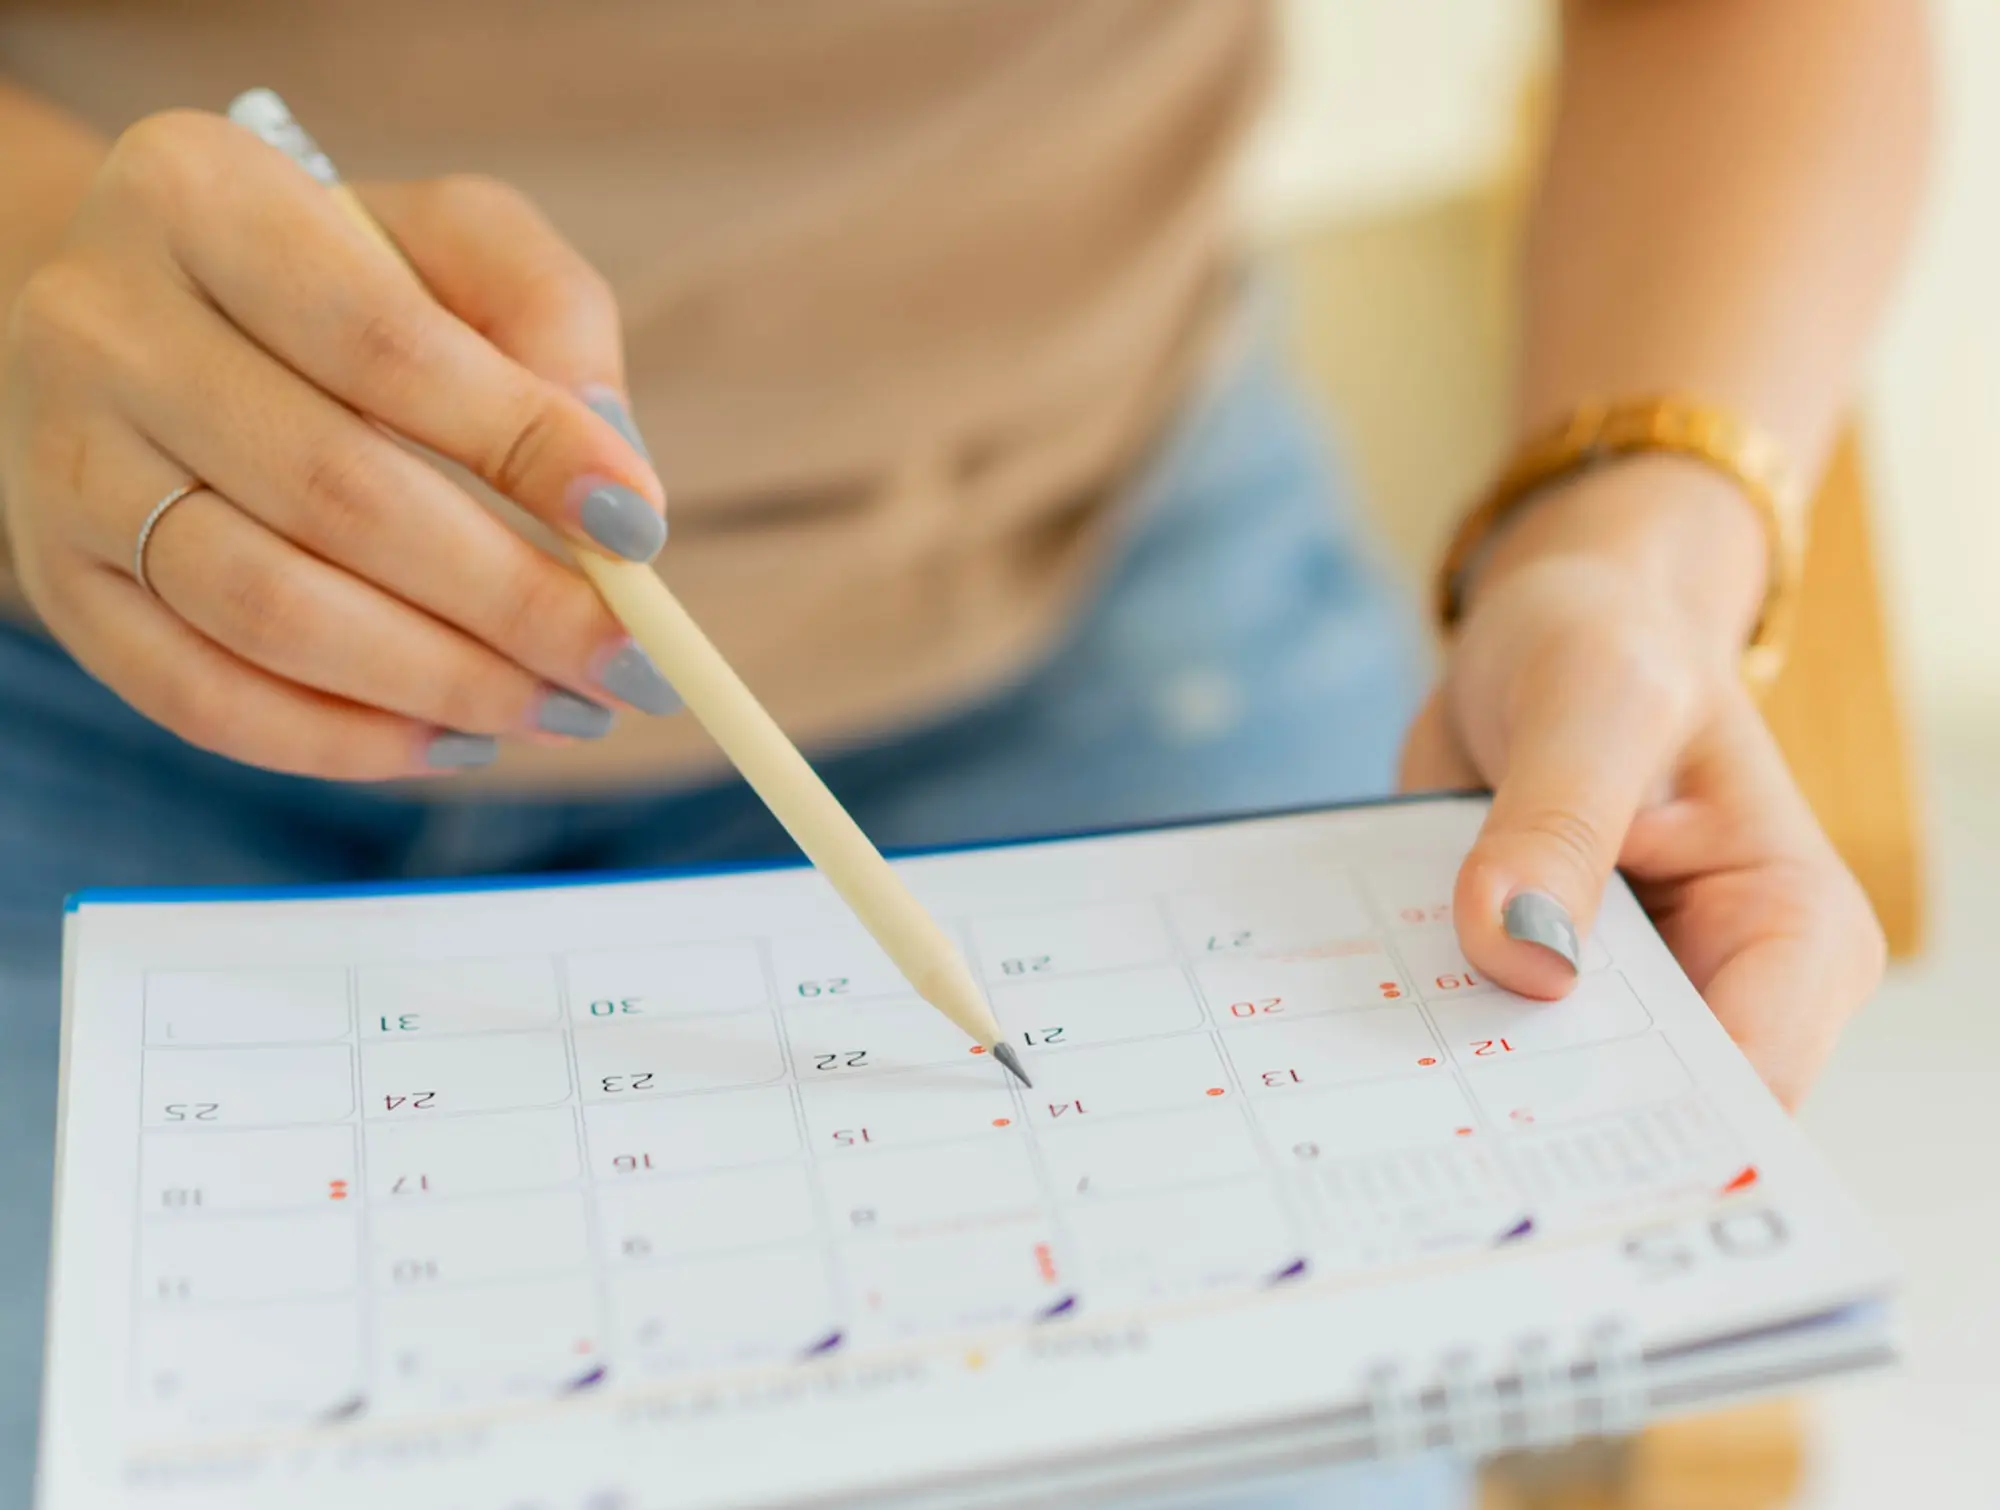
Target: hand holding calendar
(1606, 713)
(460, 1197)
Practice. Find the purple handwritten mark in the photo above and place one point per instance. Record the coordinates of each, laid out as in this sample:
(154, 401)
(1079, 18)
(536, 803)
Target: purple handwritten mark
(826, 1344)
(589, 1379)
(1296, 1269)
(1061, 1308)
(1519, 1230)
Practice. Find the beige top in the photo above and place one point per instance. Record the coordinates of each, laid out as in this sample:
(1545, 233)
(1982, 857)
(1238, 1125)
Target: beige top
(908, 284)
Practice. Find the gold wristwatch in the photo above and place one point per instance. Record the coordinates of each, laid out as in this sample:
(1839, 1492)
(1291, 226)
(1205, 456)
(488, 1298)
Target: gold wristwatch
(1596, 432)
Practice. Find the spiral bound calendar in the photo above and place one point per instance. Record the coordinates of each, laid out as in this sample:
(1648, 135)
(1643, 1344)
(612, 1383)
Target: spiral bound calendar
(666, 1194)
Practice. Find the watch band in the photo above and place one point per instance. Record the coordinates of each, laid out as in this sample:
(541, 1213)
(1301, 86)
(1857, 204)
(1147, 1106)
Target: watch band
(1595, 432)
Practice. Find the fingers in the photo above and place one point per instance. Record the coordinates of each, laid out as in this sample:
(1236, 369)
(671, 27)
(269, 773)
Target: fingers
(281, 611)
(278, 256)
(220, 703)
(319, 476)
(1593, 725)
(1785, 997)
(1753, 900)
(299, 618)
(333, 578)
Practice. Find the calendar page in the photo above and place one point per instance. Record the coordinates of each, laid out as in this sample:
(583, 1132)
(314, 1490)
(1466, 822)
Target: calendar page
(631, 1193)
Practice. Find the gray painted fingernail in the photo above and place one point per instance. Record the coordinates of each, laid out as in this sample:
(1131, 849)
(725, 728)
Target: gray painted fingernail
(632, 678)
(452, 751)
(1535, 917)
(623, 523)
(607, 406)
(565, 713)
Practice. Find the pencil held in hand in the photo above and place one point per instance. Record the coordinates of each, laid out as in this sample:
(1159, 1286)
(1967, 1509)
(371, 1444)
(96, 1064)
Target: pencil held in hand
(792, 790)
(733, 717)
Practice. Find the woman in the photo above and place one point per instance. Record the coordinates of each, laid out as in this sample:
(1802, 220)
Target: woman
(981, 474)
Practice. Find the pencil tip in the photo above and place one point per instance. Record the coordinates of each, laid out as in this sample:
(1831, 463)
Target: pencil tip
(1004, 1052)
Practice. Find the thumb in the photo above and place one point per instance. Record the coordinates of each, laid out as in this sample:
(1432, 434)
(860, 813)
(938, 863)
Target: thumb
(1432, 759)
(1590, 738)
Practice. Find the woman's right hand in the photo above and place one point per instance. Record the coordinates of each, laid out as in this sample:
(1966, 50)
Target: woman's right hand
(328, 603)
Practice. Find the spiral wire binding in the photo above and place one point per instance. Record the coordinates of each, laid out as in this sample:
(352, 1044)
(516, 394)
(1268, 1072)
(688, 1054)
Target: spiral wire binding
(1535, 1394)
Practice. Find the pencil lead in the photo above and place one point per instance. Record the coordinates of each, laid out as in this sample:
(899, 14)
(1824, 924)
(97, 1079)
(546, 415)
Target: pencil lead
(1004, 1052)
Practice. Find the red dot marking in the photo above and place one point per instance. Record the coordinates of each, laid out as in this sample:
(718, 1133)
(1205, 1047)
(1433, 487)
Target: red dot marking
(1003, 1121)
(1427, 1061)
(336, 1190)
(584, 1346)
(1215, 1090)
(1465, 1132)
(979, 1048)
(1743, 1181)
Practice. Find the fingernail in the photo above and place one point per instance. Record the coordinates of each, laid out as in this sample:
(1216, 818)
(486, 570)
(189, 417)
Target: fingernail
(1535, 917)
(451, 751)
(622, 522)
(632, 678)
(607, 406)
(565, 713)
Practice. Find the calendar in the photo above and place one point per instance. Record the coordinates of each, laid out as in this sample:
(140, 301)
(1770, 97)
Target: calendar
(666, 1193)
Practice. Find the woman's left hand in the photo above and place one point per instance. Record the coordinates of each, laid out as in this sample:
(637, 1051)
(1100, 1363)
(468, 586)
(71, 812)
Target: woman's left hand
(1592, 685)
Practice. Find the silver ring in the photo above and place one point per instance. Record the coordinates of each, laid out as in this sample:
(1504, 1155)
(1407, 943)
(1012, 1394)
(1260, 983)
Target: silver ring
(192, 485)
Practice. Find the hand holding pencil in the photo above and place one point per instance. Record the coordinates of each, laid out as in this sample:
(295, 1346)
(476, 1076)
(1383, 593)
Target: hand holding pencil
(232, 540)
(209, 506)
(762, 754)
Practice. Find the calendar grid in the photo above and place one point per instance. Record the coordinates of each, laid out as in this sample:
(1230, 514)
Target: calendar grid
(1242, 1110)
(367, 1328)
(1148, 983)
(592, 1219)
(1061, 1238)
(839, 1283)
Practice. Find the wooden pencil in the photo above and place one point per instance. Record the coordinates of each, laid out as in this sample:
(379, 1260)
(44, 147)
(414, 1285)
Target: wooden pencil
(782, 778)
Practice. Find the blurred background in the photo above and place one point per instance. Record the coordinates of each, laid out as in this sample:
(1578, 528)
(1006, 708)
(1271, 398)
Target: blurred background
(1387, 183)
